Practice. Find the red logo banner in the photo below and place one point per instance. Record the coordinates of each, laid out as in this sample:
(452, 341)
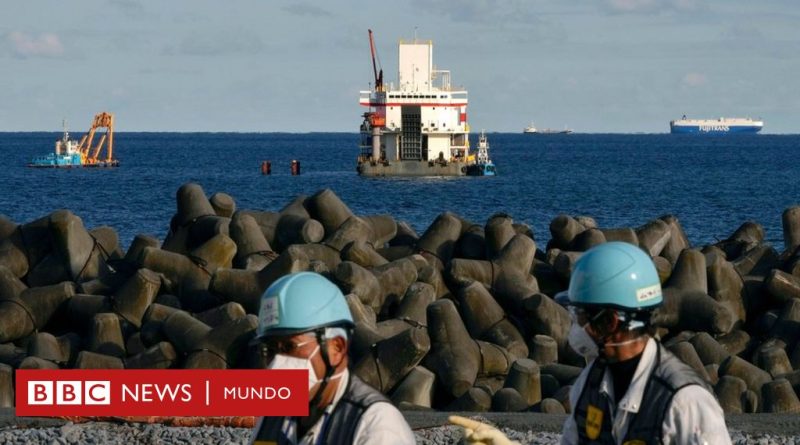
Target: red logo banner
(170, 392)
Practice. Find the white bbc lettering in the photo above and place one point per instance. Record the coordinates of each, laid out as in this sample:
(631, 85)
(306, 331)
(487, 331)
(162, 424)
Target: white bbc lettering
(40, 392)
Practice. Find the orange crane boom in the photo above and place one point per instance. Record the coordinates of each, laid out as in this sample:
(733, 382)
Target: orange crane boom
(89, 153)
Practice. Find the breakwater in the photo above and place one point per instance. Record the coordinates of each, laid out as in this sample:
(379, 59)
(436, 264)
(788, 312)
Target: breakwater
(459, 317)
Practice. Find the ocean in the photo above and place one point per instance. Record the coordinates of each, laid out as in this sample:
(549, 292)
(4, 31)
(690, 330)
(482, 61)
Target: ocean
(712, 184)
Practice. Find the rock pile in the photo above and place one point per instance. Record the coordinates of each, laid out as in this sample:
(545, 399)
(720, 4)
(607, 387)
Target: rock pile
(459, 318)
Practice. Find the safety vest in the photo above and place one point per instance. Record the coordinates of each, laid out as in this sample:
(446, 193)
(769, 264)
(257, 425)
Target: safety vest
(593, 410)
(339, 427)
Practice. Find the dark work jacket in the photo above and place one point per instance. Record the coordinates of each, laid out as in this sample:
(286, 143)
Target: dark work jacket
(339, 427)
(669, 375)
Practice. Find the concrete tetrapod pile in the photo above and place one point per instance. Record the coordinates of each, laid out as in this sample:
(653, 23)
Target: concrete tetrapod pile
(459, 318)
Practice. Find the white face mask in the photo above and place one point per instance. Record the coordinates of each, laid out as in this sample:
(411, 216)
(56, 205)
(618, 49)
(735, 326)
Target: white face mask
(582, 343)
(283, 361)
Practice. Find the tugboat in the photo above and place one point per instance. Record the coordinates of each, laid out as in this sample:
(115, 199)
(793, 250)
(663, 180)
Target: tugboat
(66, 155)
(70, 153)
(417, 127)
(483, 166)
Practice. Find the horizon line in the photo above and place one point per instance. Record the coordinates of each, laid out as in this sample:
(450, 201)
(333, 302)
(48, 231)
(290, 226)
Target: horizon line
(356, 132)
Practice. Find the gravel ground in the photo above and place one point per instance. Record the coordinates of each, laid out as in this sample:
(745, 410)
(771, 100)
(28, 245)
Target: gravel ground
(129, 434)
(528, 428)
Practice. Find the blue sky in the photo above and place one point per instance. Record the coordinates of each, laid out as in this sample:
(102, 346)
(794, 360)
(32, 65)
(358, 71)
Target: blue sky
(297, 66)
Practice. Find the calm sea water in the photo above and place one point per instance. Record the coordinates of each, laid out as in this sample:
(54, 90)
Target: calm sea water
(712, 184)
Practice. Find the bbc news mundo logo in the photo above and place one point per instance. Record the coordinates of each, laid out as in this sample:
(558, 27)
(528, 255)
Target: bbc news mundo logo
(161, 392)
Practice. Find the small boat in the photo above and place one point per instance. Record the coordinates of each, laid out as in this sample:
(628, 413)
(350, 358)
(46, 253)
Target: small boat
(66, 155)
(530, 129)
(483, 166)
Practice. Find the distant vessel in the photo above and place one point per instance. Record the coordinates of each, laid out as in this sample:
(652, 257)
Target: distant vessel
(69, 153)
(483, 166)
(66, 154)
(415, 128)
(722, 125)
(532, 129)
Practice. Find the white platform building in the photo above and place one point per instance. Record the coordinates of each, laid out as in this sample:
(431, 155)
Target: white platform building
(421, 118)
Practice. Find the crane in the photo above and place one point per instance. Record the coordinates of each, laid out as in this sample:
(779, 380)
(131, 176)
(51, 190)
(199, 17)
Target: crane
(375, 118)
(378, 75)
(89, 153)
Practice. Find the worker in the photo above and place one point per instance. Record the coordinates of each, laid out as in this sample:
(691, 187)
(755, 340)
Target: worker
(305, 323)
(633, 390)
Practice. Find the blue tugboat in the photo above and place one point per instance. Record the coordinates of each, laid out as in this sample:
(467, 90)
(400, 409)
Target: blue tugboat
(70, 154)
(66, 155)
(483, 166)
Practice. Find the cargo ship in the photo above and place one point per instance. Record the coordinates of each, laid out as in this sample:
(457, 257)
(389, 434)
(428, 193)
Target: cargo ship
(531, 129)
(417, 127)
(722, 125)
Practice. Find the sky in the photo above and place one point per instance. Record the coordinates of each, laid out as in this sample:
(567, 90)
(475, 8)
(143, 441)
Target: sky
(621, 66)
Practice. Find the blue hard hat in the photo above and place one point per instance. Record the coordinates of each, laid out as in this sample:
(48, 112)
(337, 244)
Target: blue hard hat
(618, 275)
(301, 302)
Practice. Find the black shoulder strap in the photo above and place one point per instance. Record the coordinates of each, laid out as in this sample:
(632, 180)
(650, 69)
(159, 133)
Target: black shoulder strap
(270, 432)
(341, 426)
(669, 375)
(593, 409)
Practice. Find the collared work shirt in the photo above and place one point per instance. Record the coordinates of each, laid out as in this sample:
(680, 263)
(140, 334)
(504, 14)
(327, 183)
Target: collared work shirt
(693, 417)
(381, 423)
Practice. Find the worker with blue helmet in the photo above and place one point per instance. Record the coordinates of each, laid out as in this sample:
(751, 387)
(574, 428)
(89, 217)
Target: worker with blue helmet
(613, 285)
(305, 323)
(633, 390)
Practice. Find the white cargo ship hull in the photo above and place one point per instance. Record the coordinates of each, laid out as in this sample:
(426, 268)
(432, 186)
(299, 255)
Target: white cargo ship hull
(716, 126)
